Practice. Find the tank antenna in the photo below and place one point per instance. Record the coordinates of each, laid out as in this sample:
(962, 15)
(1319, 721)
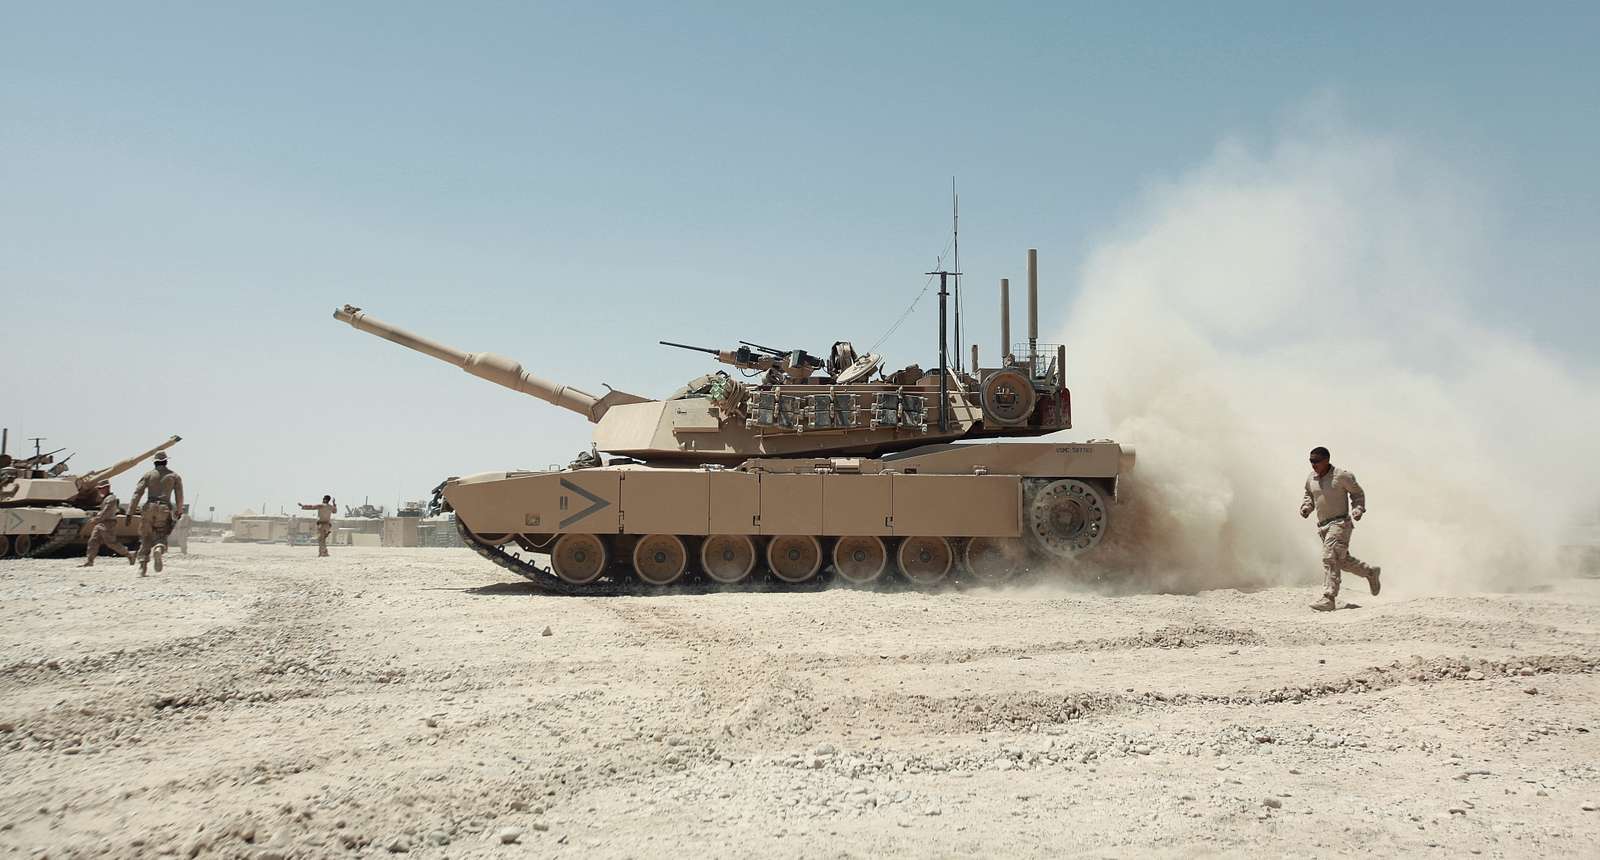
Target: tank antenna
(955, 240)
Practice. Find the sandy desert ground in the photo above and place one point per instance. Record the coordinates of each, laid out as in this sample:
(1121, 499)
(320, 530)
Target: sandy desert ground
(255, 701)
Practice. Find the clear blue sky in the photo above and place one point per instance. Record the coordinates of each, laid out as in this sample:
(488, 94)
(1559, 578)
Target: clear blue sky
(188, 190)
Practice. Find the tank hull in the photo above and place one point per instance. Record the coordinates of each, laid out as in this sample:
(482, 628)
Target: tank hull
(632, 527)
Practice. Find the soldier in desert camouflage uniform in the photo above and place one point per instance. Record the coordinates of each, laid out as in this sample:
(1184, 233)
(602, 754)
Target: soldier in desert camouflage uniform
(105, 525)
(1339, 501)
(165, 491)
(324, 522)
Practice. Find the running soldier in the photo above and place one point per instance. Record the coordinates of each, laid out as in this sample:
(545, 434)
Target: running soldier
(1339, 501)
(104, 532)
(324, 522)
(165, 491)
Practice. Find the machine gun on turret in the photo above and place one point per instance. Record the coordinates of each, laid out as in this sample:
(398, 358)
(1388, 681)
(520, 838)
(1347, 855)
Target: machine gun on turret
(794, 365)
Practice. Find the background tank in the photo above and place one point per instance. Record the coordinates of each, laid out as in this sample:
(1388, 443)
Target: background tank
(45, 511)
(817, 465)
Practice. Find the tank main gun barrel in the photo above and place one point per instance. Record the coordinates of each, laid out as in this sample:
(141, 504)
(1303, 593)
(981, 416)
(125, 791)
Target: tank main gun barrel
(88, 481)
(498, 369)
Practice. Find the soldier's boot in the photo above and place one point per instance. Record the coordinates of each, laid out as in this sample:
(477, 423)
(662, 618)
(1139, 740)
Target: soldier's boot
(1372, 580)
(158, 552)
(1326, 604)
(144, 567)
(88, 562)
(132, 559)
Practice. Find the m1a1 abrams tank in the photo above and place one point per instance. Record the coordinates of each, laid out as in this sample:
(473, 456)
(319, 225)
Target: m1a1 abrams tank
(800, 467)
(46, 512)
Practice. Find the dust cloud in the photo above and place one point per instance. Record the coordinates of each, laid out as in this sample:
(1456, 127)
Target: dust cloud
(1326, 289)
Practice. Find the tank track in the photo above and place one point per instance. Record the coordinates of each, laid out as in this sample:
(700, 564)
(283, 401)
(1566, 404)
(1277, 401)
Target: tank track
(621, 583)
(64, 536)
(540, 576)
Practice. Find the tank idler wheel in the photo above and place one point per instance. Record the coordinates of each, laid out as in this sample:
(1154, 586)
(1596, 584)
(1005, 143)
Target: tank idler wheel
(579, 558)
(5, 546)
(794, 558)
(993, 560)
(660, 559)
(860, 559)
(1066, 518)
(925, 560)
(22, 545)
(728, 558)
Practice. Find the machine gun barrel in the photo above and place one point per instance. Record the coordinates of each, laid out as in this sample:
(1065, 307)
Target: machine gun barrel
(766, 349)
(706, 349)
(498, 369)
(87, 481)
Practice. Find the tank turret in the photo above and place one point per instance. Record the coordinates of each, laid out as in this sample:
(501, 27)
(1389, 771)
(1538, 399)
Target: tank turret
(787, 402)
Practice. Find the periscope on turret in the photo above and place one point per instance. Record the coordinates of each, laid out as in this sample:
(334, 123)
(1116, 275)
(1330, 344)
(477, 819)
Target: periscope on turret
(794, 468)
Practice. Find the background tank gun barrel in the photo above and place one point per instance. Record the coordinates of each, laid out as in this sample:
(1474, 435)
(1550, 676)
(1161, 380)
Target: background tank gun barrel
(498, 369)
(86, 482)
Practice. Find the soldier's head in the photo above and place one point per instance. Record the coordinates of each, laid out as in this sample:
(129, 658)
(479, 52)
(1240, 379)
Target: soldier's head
(103, 488)
(161, 459)
(1319, 460)
(327, 499)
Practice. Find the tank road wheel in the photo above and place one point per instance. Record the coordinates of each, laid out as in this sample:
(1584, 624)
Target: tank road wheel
(1066, 518)
(728, 558)
(993, 560)
(22, 545)
(5, 545)
(794, 558)
(925, 560)
(860, 559)
(578, 558)
(660, 559)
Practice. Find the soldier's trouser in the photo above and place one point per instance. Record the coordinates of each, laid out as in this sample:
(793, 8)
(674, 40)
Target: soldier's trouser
(154, 526)
(323, 530)
(104, 536)
(1336, 555)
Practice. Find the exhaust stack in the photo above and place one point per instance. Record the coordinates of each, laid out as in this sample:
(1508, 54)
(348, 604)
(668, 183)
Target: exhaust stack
(1005, 319)
(1033, 305)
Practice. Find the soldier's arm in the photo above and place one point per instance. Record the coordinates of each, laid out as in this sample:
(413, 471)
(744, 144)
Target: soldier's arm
(1306, 504)
(306, 507)
(177, 492)
(1358, 496)
(138, 494)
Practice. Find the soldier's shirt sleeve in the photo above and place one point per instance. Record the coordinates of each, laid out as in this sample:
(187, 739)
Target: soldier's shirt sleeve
(138, 490)
(1306, 502)
(1358, 496)
(108, 508)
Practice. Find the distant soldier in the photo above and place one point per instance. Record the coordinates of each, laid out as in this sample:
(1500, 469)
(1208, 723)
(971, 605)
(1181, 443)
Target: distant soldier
(180, 532)
(104, 532)
(324, 522)
(165, 491)
(1339, 501)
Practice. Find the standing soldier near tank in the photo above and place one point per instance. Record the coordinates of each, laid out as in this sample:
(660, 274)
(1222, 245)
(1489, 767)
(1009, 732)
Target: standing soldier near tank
(1339, 501)
(105, 524)
(165, 491)
(324, 522)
